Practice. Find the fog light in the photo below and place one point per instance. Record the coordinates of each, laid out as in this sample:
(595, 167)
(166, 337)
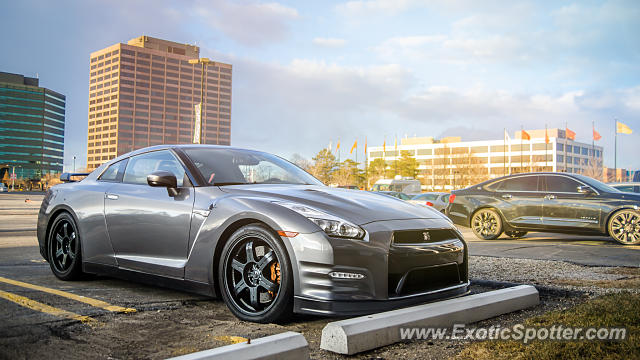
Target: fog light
(345, 275)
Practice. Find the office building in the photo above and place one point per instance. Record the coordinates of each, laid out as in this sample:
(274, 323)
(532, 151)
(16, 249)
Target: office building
(31, 128)
(144, 93)
(451, 163)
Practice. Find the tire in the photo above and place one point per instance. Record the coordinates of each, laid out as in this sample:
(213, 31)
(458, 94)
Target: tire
(248, 278)
(64, 248)
(624, 227)
(515, 234)
(486, 224)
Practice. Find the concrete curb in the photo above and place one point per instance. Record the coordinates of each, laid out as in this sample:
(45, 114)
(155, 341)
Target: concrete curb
(364, 333)
(288, 345)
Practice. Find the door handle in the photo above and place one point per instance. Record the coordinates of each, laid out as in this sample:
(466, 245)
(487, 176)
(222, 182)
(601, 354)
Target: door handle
(507, 196)
(549, 197)
(112, 196)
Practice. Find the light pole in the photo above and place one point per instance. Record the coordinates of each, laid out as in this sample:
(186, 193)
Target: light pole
(74, 163)
(204, 62)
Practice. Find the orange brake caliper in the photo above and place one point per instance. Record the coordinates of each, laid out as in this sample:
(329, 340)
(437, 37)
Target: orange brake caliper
(275, 275)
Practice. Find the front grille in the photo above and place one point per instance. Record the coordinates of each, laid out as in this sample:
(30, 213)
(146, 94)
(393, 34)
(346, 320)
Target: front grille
(426, 236)
(428, 279)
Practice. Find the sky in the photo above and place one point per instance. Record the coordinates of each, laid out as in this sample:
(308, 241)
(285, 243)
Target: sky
(307, 73)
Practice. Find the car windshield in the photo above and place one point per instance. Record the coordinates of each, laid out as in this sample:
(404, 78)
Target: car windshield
(596, 184)
(221, 166)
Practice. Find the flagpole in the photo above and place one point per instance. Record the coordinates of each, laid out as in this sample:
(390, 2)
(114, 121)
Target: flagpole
(521, 146)
(615, 150)
(566, 128)
(546, 146)
(593, 140)
(504, 153)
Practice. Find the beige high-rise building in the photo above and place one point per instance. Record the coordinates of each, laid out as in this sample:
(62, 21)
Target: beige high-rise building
(144, 93)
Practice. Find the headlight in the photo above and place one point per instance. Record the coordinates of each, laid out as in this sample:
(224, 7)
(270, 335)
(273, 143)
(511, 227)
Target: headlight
(330, 224)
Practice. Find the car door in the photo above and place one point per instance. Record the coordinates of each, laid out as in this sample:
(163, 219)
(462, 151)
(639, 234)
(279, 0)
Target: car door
(520, 200)
(566, 208)
(148, 228)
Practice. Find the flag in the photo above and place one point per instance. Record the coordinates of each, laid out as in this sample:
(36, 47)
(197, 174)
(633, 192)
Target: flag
(355, 145)
(546, 136)
(622, 128)
(196, 124)
(338, 146)
(596, 135)
(570, 134)
(384, 146)
(525, 135)
(396, 144)
(365, 145)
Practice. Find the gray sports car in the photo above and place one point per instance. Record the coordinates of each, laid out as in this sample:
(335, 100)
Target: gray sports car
(248, 226)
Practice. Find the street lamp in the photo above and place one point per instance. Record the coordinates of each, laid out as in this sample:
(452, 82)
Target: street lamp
(204, 62)
(74, 163)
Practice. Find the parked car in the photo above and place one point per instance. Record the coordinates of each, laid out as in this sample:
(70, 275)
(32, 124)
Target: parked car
(398, 184)
(438, 200)
(395, 194)
(633, 187)
(252, 228)
(549, 202)
(3, 187)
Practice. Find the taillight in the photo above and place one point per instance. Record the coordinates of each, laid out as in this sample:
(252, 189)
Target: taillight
(429, 203)
(452, 197)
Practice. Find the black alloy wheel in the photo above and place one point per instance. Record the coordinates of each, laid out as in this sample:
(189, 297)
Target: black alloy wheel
(255, 275)
(486, 224)
(515, 234)
(624, 227)
(64, 248)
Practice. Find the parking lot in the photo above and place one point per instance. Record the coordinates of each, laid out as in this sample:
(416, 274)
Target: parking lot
(102, 317)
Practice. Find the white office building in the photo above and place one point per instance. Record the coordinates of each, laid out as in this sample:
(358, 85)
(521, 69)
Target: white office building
(451, 163)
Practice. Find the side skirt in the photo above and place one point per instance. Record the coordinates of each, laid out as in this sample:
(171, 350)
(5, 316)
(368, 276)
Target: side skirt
(150, 279)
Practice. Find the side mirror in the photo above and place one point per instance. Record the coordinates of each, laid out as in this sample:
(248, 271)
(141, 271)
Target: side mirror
(164, 179)
(587, 190)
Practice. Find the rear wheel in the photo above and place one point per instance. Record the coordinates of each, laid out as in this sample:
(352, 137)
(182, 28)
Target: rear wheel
(486, 224)
(64, 248)
(515, 234)
(255, 276)
(624, 227)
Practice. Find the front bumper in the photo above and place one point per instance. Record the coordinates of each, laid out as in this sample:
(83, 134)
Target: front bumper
(393, 275)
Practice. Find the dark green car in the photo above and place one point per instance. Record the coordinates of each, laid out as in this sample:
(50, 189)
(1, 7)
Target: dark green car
(547, 202)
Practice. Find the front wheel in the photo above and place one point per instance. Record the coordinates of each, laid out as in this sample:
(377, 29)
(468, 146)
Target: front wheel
(624, 227)
(64, 248)
(515, 234)
(255, 275)
(486, 224)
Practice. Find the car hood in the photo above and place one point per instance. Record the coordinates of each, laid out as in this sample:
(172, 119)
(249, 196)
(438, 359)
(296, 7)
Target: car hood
(359, 207)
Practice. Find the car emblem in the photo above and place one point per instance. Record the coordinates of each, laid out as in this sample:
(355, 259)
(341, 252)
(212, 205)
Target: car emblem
(426, 236)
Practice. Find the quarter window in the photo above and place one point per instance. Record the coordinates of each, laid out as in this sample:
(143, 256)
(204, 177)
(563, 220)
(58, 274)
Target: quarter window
(114, 171)
(561, 184)
(142, 165)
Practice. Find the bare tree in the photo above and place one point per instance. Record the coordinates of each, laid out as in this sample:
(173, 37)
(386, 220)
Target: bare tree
(594, 169)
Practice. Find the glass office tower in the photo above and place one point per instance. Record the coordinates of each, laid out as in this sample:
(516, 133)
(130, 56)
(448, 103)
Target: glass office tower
(32, 122)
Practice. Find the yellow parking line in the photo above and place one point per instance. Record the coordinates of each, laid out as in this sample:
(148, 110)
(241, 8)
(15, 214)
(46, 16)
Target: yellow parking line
(231, 339)
(84, 299)
(38, 306)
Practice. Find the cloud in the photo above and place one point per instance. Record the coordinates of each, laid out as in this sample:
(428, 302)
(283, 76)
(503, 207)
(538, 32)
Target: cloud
(330, 42)
(248, 23)
(369, 7)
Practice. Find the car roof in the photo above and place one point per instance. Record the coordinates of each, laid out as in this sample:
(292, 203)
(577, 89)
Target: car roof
(636, 183)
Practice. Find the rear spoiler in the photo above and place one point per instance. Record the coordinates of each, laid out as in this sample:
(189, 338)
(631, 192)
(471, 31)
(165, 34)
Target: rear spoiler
(68, 177)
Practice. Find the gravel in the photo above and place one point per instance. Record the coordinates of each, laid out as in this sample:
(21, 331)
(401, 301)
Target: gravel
(554, 274)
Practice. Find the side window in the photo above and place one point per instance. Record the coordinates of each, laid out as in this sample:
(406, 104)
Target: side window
(142, 165)
(522, 183)
(114, 171)
(626, 188)
(561, 184)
